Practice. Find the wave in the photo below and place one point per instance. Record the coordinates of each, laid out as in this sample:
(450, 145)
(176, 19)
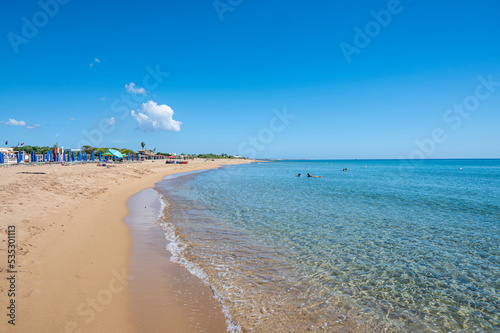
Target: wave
(177, 249)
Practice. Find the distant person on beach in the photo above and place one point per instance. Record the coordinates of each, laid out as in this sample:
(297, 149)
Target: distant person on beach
(298, 175)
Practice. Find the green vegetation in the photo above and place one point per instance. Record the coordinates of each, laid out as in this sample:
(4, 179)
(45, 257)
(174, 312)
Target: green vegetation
(30, 149)
(88, 149)
(213, 156)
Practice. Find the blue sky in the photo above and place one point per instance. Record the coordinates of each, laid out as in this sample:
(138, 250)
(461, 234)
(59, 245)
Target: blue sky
(231, 80)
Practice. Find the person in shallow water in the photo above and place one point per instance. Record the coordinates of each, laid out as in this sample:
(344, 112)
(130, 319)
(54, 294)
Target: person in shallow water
(298, 175)
(309, 175)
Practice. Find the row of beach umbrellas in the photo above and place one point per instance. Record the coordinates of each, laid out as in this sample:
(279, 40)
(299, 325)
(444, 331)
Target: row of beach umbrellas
(70, 156)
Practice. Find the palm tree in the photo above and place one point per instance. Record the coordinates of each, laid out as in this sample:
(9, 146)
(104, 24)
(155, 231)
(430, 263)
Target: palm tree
(143, 145)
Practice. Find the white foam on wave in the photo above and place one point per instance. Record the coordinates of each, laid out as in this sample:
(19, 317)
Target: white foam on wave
(177, 249)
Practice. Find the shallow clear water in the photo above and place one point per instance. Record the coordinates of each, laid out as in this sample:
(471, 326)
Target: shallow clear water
(384, 245)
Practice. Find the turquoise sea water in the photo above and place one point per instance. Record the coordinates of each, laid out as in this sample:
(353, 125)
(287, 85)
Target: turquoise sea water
(384, 245)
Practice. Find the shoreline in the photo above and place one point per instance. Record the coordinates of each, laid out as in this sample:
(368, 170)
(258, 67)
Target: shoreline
(163, 293)
(73, 247)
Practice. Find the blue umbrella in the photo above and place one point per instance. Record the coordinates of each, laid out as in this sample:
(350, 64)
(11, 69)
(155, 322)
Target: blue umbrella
(132, 157)
(57, 157)
(69, 156)
(44, 156)
(100, 157)
(79, 156)
(127, 157)
(116, 153)
(92, 157)
(1, 158)
(18, 157)
(85, 157)
(137, 157)
(72, 156)
(64, 157)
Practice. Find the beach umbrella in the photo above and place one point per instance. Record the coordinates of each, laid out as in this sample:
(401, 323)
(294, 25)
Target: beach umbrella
(85, 157)
(92, 157)
(138, 160)
(172, 156)
(69, 156)
(18, 157)
(44, 157)
(64, 157)
(79, 156)
(116, 153)
(57, 157)
(127, 157)
(132, 157)
(1, 158)
(100, 157)
(72, 156)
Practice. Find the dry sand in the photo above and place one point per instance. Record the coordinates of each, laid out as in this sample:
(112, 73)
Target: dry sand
(72, 246)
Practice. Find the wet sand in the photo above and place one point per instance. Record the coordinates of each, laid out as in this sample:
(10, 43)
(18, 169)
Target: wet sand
(164, 297)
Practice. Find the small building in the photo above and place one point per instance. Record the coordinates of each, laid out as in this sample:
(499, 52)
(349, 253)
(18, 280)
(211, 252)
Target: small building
(147, 152)
(6, 150)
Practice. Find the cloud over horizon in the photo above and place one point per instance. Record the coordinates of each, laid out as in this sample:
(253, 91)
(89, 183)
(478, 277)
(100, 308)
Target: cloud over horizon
(131, 89)
(13, 122)
(18, 123)
(154, 117)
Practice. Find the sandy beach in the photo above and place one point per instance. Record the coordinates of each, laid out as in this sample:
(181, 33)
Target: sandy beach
(73, 247)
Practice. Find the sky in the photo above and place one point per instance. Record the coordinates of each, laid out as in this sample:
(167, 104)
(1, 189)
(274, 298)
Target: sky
(287, 79)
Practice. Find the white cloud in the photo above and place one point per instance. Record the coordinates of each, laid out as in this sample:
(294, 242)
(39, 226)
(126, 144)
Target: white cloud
(19, 123)
(102, 98)
(13, 122)
(131, 89)
(71, 118)
(154, 117)
(111, 121)
(96, 61)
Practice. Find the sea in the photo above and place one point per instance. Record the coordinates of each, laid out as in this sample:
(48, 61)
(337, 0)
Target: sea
(370, 246)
